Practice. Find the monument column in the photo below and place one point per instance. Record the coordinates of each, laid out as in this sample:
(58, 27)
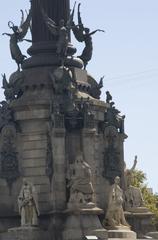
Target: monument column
(55, 9)
(43, 51)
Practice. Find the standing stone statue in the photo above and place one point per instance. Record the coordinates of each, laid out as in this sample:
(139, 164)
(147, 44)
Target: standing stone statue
(61, 31)
(129, 173)
(115, 214)
(81, 189)
(28, 205)
(83, 34)
(18, 36)
(133, 197)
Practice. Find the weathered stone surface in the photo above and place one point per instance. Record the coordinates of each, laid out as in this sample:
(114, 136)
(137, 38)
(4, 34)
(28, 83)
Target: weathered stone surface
(78, 226)
(25, 233)
(37, 171)
(32, 163)
(32, 145)
(153, 235)
(141, 222)
(119, 234)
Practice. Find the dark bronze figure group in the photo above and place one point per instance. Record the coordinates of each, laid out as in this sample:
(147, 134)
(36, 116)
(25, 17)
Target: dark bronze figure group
(60, 31)
(83, 34)
(17, 36)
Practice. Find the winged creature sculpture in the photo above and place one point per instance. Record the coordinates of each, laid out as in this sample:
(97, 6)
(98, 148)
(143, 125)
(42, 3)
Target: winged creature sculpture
(18, 36)
(60, 31)
(83, 34)
(12, 90)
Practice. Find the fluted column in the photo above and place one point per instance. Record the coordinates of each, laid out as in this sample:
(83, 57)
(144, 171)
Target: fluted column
(55, 9)
(43, 51)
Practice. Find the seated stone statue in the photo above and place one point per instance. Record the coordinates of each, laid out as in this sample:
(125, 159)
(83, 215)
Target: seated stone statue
(115, 214)
(81, 189)
(28, 205)
(133, 199)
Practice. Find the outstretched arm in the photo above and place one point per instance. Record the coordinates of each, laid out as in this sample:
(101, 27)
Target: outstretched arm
(98, 30)
(8, 34)
(134, 165)
(27, 40)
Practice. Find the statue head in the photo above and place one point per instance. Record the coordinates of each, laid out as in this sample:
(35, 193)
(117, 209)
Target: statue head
(13, 27)
(62, 23)
(87, 30)
(26, 184)
(117, 180)
(79, 158)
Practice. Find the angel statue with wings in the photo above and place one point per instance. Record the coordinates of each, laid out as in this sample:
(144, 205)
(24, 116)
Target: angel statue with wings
(18, 36)
(83, 34)
(61, 31)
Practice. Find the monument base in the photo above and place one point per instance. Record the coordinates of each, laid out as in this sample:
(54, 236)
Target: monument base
(84, 222)
(25, 233)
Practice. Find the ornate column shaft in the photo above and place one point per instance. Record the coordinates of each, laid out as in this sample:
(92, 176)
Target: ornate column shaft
(43, 51)
(55, 9)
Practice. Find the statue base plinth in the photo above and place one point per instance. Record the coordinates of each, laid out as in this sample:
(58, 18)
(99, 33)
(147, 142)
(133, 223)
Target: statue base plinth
(83, 222)
(138, 210)
(50, 60)
(27, 233)
(141, 222)
(80, 207)
(153, 235)
(121, 232)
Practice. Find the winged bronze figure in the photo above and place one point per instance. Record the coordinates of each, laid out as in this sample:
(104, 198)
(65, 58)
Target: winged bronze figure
(61, 31)
(12, 90)
(83, 34)
(18, 36)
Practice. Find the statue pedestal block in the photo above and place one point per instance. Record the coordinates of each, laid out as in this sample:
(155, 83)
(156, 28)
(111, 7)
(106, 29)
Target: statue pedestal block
(141, 223)
(122, 232)
(27, 233)
(83, 222)
(153, 235)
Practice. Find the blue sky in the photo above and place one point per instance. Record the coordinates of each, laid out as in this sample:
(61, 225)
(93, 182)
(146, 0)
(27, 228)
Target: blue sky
(127, 54)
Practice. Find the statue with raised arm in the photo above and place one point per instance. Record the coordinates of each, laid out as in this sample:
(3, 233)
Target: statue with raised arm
(28, 204)
(129, 173)
(61, 31)
(115, 215)
(18, 36)
(133, 197)
(83, 34)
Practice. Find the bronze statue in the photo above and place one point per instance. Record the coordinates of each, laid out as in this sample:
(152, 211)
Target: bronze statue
(83, 34)
(13, 87)
(61, 31)
(108, 97)
(8, 90)
(18, 36)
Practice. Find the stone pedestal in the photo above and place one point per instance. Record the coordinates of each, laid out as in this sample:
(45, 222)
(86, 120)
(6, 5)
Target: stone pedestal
(141, 223)
(121, 232)
(153, 235)
(83, 222)
(25, 233)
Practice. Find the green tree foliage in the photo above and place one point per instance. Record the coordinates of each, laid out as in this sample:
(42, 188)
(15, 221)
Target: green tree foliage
(150, 199)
